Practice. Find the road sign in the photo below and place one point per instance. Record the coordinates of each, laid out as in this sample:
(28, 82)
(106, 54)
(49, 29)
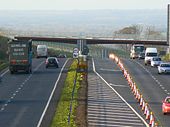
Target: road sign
(76, 50)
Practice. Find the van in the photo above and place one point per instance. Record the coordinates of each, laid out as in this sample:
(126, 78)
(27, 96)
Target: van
(42, 51)
(149, 54)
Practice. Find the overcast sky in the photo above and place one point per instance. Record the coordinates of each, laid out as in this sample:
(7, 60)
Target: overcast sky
(82, 4)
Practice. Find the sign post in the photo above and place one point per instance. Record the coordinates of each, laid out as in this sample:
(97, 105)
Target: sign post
(168, 31)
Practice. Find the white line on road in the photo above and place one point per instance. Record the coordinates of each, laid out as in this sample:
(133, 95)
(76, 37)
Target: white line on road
(4, 72)
(118, 85)
(102, 69)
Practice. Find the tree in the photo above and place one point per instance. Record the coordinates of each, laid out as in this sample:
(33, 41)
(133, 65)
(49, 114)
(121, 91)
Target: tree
(132, 32)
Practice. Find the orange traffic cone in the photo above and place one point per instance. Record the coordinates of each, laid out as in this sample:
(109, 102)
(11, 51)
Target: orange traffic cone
(151, 118)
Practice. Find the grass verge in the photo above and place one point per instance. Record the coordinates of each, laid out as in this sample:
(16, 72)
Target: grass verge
(61, 115)
(166, 57)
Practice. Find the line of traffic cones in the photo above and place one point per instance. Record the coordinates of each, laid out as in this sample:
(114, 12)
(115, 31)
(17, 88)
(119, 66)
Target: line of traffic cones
(138, 96)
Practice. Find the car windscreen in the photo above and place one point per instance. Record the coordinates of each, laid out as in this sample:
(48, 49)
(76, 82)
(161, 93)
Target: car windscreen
(165, 65)
(156, 59)
(151, 54)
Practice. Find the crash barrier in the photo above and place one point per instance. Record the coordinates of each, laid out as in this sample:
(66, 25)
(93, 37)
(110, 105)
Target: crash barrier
(149, 116)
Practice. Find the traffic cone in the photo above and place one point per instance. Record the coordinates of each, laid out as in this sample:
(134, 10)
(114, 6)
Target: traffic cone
(143, 105)
(141, 100)
(137, 94)
(146, 108)
(147, 115)
(151, 118)
(153, 124)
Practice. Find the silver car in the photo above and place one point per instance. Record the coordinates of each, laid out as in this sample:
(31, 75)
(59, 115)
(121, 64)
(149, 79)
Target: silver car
(155, 61)
(164, 68)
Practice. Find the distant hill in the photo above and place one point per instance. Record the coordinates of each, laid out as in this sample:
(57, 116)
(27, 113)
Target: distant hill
(72, 23)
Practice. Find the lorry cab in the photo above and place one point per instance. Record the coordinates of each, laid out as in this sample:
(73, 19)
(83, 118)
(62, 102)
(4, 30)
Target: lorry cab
(136, 50)
(149, 54)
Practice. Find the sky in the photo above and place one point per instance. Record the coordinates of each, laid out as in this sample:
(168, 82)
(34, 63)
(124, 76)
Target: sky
(81, 4)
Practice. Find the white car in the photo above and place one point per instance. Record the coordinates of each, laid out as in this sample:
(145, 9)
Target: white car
(155, 61)
(164, 68)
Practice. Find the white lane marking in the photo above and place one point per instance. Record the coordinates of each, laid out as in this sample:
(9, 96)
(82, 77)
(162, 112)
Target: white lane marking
(4, 72)
(102, 69)
(14, 94)
(118, 85)
(2, 109)
(113, 116)
(168, 93)
(119, 95)
(118, 110)
(112, 113)
(5, 105)
(94, 124)
(115, 119)
(116, 122)
(49, 100)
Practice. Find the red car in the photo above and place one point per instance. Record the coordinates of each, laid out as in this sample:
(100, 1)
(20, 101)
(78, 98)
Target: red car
(166, 105)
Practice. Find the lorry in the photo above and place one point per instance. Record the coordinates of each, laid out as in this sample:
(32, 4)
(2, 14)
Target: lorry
(42, 51)
(20, 55)
(136, 50)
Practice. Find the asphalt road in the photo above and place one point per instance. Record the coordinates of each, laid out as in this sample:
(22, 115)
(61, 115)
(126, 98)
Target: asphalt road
(23, 97)
(105, 106)
(153, 86)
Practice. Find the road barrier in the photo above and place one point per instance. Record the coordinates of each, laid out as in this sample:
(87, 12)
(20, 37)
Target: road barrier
(149, 116)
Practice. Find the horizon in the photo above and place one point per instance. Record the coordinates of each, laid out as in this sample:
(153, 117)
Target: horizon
(82, 4)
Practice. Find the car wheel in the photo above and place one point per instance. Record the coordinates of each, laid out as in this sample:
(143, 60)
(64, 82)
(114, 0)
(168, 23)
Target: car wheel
(46, 66)
(12, 72)
(164, 113)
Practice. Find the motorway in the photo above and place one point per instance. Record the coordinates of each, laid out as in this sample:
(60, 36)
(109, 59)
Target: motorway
(153, 86)
(23, 97)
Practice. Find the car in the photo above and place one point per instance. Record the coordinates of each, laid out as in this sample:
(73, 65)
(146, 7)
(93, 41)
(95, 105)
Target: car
(166, 105)
(155, 61)
(141, 55)
(62, 56)
(52, 62)
(164, 68)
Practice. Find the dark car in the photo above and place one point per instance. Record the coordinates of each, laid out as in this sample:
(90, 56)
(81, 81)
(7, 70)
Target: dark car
(141, 55)
(52, 62)
(62, 56)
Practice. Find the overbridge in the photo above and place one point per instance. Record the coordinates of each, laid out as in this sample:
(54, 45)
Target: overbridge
(94, 40)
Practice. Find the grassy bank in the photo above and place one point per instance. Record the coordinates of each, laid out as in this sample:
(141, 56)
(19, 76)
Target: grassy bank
(61, 115)
(166, 57)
